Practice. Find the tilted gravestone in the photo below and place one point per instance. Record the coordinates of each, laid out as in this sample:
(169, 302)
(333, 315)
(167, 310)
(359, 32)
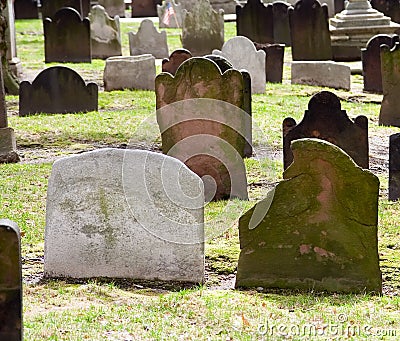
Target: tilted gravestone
(105, 34)
(169, 14)
(371, 61)
(309, 31)
(10, 282)
(148, 40)
(113, 7)
(390, 58)
(390, 8)
(26, 9)
(394, 167)
(281, 27)
(202, 29)
(175, 60)
(242, 53)
(317, 229)
(130, 72)
(274, 54)
(202, 123)
(50, 7)
(124, 214)
(325, 120)
(144, 8)
(255, 21)
(67, 37)
(57, 89)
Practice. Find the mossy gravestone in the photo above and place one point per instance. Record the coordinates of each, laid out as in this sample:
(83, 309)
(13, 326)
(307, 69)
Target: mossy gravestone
(317, 230)
(10, 282)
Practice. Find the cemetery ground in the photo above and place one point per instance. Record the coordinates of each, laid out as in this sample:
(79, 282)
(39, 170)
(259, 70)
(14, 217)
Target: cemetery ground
(105, 309)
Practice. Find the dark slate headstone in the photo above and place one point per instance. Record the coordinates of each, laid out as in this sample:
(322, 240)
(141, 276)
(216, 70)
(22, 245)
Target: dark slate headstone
(176, 58)
(50, 7)
(10, 282)
(371, 61)
(26, 9)
(317, 229)
(325, 120)
(390, 59)
(67, 37)
(145, 8)
(339, 5)
(309, 31)
(394, 167)
(57, 89)
(255, 21)
(390, 8)
(274, 54)
(281, 22)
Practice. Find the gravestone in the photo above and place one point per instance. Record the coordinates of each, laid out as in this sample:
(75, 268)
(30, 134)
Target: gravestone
(371, 61)
(169, 14)
(130, 72)
(228, 6)
(390, 58)
(124, 214)
(325, 120)
(394, 167)
(113, 7)
(281, 27)
(50, 7)
(11, 42)
(67, 37)
(390, 8)
(148, 40)
(202, 29)
(57, 89)
(317, 229)
(242, 53)
(309, 31)
(274, 54)
(144, 8)
(321, 73)
(339, 5)
(105, 34)
(255, 21)
(10, 282)
(176, 58)
(202, 123)
(26, 9)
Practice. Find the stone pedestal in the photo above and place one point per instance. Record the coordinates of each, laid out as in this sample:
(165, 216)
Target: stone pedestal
(352, 28)
(8, 146)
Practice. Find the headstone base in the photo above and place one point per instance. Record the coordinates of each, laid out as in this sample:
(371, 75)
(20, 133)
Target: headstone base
(8, 146)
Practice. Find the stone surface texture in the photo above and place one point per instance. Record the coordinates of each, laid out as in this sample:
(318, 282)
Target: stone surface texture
(317, 230)
(124, 214)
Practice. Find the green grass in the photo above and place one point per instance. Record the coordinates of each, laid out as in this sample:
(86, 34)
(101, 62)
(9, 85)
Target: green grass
(125, 310)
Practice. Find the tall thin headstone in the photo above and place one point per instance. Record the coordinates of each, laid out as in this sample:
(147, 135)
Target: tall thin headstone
(281, 27)
(394, 167)
(11, 328)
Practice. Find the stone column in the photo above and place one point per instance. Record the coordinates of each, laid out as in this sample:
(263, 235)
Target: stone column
(14, 62)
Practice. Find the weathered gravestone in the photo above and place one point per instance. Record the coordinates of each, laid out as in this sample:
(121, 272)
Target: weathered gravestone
(114, 7)
(169, 14)
(202, 29)
(317, 229)
(50, 7)
(394, 167)
(281, 27)
(371, 61)
(144, 8)
(124, 214)
(321, 73)
(130, 72)
(255, 21)
(390, 58)
(325, 120)
(309, 31)
(10, 282)
(242, 53)
(105, 34)
(228, 6)
(148, 40)
(202, 123)
(274, 54)
(172, 63)
(57, 89)
(67, 37)
(26, 9)
(390, 8)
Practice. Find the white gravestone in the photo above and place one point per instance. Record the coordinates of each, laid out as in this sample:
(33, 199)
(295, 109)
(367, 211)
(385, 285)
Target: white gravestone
(124, 214)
